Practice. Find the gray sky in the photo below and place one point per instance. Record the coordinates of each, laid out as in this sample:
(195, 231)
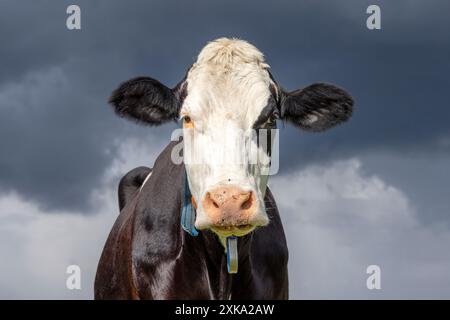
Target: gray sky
(373, 191)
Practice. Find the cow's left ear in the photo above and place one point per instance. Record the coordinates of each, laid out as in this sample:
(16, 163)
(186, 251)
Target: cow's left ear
(147, 101)
(317, 107)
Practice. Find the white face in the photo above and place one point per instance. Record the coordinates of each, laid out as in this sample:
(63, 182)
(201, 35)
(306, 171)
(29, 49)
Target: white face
(227, 88)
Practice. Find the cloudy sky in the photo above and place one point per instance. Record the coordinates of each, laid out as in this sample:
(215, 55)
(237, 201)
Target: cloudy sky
(373, 191)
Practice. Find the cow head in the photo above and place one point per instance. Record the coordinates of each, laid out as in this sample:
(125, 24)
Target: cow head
(227, 94)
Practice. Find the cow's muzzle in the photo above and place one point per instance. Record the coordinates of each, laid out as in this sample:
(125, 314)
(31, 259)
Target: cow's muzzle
(230, 210)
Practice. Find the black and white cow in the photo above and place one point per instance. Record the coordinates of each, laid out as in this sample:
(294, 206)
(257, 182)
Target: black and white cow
(227, 91)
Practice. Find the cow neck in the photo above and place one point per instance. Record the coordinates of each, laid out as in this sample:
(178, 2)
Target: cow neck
(221, 281)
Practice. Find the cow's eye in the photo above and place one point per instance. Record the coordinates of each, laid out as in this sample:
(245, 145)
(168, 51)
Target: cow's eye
(187, 122)
(187, 119)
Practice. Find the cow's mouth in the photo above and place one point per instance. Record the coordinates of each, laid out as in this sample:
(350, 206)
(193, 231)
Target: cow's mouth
(239, 231)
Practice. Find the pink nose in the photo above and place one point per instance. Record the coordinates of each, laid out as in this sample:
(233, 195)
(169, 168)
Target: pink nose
(229, 206)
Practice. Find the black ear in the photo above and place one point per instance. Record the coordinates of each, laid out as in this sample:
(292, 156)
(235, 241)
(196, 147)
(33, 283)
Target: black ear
(317, 107)
(146, 100)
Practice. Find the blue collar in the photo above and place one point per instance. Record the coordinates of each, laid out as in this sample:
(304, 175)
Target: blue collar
(188, 215)
(188, 212)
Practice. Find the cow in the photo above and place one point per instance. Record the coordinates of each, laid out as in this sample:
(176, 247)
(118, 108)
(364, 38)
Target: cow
(208, 229)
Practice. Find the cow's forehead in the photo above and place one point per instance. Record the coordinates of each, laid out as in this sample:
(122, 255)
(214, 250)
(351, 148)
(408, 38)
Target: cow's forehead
(230, 80)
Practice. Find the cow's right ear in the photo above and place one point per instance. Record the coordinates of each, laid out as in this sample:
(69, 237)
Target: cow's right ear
(146, 101)
(317, 107)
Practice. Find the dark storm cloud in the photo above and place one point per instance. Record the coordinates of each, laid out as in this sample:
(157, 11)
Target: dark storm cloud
(398, 77)
(58, 135)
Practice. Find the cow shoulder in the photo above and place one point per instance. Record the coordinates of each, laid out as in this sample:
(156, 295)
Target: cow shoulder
(113, 278)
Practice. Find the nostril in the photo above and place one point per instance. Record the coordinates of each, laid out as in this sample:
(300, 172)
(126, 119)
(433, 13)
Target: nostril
(247, 203)
(215, 204)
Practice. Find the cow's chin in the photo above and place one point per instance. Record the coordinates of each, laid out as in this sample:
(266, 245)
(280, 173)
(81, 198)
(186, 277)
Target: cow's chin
(228, 231)
(204, 222)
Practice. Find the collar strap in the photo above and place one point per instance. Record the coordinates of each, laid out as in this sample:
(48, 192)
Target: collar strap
(232, 254)
(188, 212)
